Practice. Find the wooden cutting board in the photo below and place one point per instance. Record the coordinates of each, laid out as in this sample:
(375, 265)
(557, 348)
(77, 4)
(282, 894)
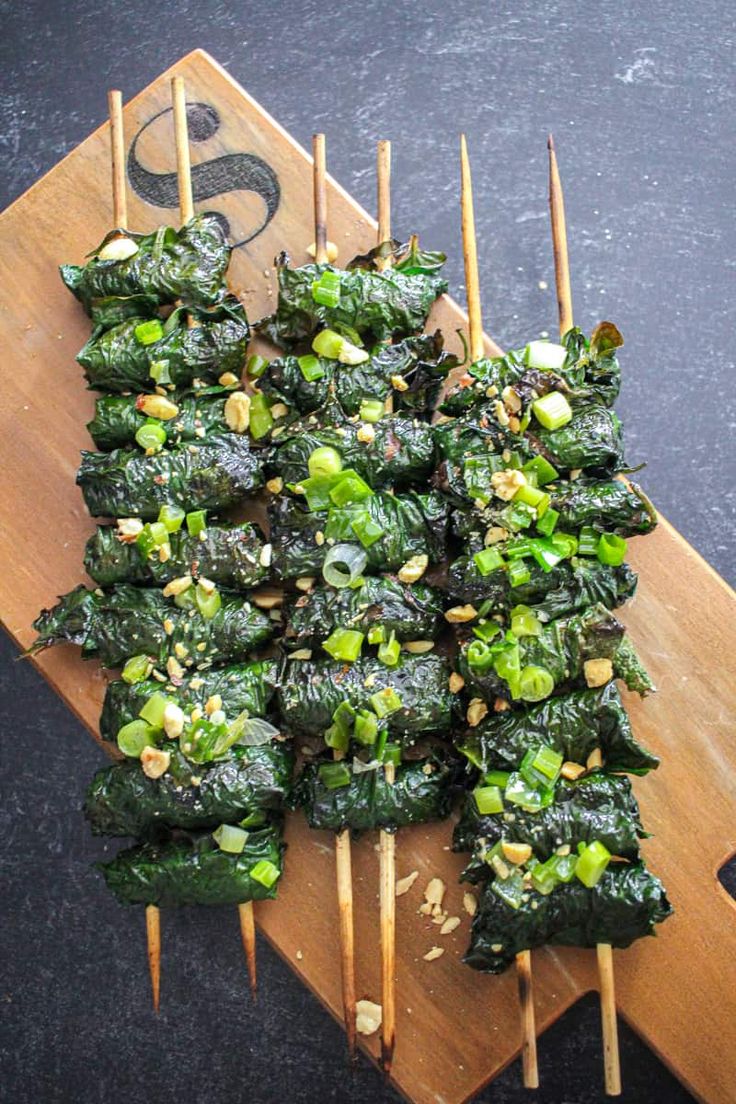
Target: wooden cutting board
(456, 1029)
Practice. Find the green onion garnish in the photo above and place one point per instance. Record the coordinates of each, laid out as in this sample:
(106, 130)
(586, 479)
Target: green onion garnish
(552, 411)
(480, 656)
(208, 601)
(547, 522)
(135, 736)
(344, 564)
(535, 684)
(366, 529)
(385, 702)
(545, 355)
(524, 622)
(349, 487)
(490, 559)
(486, 630)
(328, 344)
(230, 839)
(260, 416)
(391, 754)
(366, 727)
(153, 709)
(591, 863)
(588, 541)
(542, 469)
(196, 522)
(148, 332)
(159, 372)
(371, 410)
(265, 872)
(172, 517)
(488, 800)
(310, 367)
(519, 573)
(324, 462)
(255, 366)
(335, 775)
(344, 644)
(389, 651)
(376, 634)
(611, 549)
(137, 669)
(151, 435)
(326, 290)
(541, 766)
(497, 778)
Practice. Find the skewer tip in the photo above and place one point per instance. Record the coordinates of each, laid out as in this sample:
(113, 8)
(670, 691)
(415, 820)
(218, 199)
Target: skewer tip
(550, 143)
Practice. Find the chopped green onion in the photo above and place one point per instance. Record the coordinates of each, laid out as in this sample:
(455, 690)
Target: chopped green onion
(324, 461)
(344, 644)
(532, 496)
(480, 656)
(488, 800)
(497, 778)
(351, 354)
(541, 766)
(335, 775)
(564, 866)
(564, 543)
(137, 669)
(490, 559)
(547, 522)
(328, 344)
(159, 372)
(366, 529)
(588, 541)
(310, 368)
(486, 630)
(372, 410)
(524, 622)
(265, 872)
(511, 890)
(253, 820)
(208, 603)
(366, 727)
(196, 522)
(186, 599)
(326, 290)
(255, 366)
(153, 709)
(148, 332)
(545, 355)
(344, 564)
(519, 573)
(592, 863)
(337, 738)
(543, 470)
(260, 416)
(316, 490)
(376, 635)
(172, 517)
(391, 754)
(151, 435)
(349, 487)
(389, 651)
(545, 877)
(385, 702)
(611, 549)
(507, 665)
(135, 736)
(552, 411)
(381, 744)
(519, 792)
(230, 839)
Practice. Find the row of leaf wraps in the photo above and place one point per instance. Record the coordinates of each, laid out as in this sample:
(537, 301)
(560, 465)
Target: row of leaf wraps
(445, 590)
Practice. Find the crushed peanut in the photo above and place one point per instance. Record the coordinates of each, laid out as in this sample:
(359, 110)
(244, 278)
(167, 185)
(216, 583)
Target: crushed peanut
(418, 647)
(177, 586)
(173, 720)
(595, 759)
(154, 762)
(449, 925)
(500, 411)
(571, 771)
(511, 399)
(368, 1017)
(495, 535)
(237, 411)
(331, 251)
(164, 552)
(305, 582)
(413, 569)
(516, 853)
(302, 653)
(470, 904)
(276, 485)
(228, 379)
(399, 383)
(404, 884)
(456, 683)
(433, 953)
(458, 615)
(268, 598)
(366, 434)
(213, 703)
(434, 892)
(156, 406)
(174, 668)
(206, 585)
(128, 529)
(279, 410)
(265, 557)
(507, 482)
(477, 710)
(168, 626)
(597, 672)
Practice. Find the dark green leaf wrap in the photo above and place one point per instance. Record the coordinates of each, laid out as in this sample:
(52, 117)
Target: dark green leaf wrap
(402, 451)
(188, 264)
(591, 372)
(411, 612)
(625, 905)
(562, 648)
(129, 621)
(600, 807)
(574, 725)
(571, 585)
(379, 305)
(229, 555)
(193, 871)
(592, 439)
(115, 309)
(412, 524)
(243, 687)
(123, 801)
(117, 419)
(418, 362)
(116, 360)
(310, 692)
(211, 474)
(422, 791)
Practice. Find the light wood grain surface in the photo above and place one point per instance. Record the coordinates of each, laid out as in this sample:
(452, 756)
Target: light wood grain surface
(456, 1029)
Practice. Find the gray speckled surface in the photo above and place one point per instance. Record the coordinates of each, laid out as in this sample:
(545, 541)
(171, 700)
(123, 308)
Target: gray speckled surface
(641, 102)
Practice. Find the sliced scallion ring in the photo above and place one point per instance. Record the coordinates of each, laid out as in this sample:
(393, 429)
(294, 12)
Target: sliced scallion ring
(343, 565)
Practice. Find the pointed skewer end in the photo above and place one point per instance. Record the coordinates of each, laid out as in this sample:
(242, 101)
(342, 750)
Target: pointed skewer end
(550, 143)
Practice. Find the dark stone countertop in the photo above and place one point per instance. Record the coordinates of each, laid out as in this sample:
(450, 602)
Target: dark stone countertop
(640, 99)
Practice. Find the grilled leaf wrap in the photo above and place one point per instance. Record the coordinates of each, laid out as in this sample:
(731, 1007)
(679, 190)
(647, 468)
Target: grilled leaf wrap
(116, 360)
(402, 450)
(188, 264)
(417, 362)
(411, 612)
(562, 648)
(229, 555)
(129, 621)
(573, 724)
(117, 418)
(600, 807)
(123, 801)
(243, 687)
(310, 692)
(210, 474)
(193, 871)
(625, 905)
(378, 305)
(412, 524)
(423, 791)
(571, 585)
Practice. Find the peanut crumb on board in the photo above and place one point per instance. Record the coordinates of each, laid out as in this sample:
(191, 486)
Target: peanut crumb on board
(368, 1016)
(404, 884)
(433, 953)
(470, 904)
(449, 925)
(435, 891)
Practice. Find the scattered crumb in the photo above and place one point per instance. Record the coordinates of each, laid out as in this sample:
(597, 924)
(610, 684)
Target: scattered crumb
(404, 884)
(470, 904)
(368, 1017)
(299, 955)
(433, 953)
(435, 891)
(449, 925)
(542, 285)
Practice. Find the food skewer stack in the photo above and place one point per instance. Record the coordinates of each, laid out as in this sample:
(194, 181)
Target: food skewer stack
(530, 450)
(205, 774)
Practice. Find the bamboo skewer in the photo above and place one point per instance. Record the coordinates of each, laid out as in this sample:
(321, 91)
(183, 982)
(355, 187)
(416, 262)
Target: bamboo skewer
(343, 858)
(387, 839)
(604, 951)
(120, 218)
(475, 327)
(186, 212)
